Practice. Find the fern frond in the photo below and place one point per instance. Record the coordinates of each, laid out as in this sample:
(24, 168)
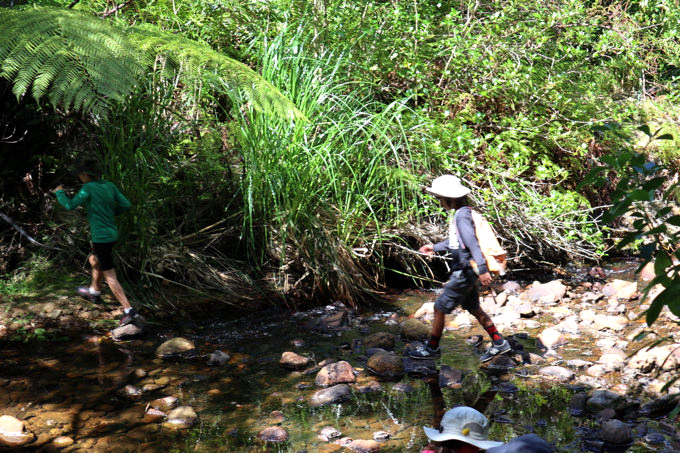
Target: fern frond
(200, 62)
(60, 54)
(82, 62)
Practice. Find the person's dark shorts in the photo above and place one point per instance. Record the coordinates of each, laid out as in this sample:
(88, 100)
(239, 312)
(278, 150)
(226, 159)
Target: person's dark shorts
(104, 253)
(461, 289)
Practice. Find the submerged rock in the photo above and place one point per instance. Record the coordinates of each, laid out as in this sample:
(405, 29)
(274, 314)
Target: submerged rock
(293, 361)
(450, 377)
(182, 417)
(386, 365)
(174, 347)
(419, 367)
(335, 394)
(329, 433)
(166, 403)
(273, 434)
(218, 358)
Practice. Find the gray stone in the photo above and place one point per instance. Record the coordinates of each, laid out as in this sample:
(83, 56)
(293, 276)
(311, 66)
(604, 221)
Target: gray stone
(182, 417)
(412, 329)
(335, 394)
(557, 372)
(174, 347)
(383, 340)
(218, 358)
(450, 377)
(386, 364)
(273, 434)
(126, 331)
(616, 432)
(547, 293)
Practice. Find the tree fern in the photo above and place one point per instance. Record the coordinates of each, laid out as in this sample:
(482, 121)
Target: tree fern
(82, 62)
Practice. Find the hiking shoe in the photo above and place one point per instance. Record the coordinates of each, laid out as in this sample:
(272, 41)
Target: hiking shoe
(84, 292)
(128, 318)
(494, 350)
(423, 351)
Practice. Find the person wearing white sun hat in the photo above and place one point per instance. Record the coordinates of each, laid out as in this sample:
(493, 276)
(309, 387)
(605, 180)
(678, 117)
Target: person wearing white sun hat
(465, 430)
(462, 286)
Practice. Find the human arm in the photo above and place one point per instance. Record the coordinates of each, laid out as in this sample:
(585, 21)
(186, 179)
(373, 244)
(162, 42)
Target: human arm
(71, 203)
(122, 203)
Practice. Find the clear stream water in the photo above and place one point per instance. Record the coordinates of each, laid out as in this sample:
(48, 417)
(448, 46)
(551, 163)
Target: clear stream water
(73, 388)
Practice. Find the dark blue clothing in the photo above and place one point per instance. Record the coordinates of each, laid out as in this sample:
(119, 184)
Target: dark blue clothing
(529, 443)
(459, 258)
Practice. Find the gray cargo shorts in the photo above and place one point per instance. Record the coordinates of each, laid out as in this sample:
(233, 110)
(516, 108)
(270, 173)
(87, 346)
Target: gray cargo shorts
(461, 289)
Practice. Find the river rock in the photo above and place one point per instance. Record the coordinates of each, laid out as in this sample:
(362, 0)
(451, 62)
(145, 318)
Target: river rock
(419, 367)
(174, 347)
(616, 432)
(364, 446)
(181, 417)
(165, 404)
(620, 289)
(603, 399)
(335, 373)
(382, 340)
(547, 293)
(551, 338)
(335, 394)
(218, 358)
(13, 432)
(511, 286)
(62, 442)
(132, 392)
(127, 331)
(557, 372)
(402, 387)
(370, 387)
(329, 433)
(412, 329)
(293, 361)
(615, 323)
(153, 415)
(577, 405)
(450, 377)
(613, 359)
(386, 365)
(501, 364)
(660, 406)
(426, 311)
(273, 434)
(666, 357)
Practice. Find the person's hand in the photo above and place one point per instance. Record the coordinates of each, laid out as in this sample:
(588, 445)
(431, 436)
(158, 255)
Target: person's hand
(58, 188)
(485, 279)
(427, 249)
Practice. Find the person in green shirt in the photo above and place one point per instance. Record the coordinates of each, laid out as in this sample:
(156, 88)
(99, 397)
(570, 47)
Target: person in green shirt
(103, 201)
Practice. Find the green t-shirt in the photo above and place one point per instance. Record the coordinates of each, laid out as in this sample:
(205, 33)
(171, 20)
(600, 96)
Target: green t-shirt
(103, 201)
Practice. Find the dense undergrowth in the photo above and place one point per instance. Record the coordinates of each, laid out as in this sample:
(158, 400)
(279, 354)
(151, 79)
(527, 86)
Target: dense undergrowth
(242, 203)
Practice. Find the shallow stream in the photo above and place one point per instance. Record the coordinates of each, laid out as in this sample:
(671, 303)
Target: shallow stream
(77, 388)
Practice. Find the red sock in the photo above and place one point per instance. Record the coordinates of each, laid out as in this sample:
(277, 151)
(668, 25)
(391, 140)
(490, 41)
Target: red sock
(433, 343)
(494, 333)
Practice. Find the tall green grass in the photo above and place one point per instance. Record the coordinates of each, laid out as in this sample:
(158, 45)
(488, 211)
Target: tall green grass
(316, 192)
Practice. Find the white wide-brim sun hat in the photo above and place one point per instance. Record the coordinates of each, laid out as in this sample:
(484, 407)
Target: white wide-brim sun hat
(447, 186)
(464, 424)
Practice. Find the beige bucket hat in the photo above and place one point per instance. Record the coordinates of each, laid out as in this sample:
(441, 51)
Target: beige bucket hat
(464, 424)
(447, 186)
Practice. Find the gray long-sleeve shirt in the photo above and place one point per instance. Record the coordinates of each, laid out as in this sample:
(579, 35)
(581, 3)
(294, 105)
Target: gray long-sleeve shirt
(469, 245)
